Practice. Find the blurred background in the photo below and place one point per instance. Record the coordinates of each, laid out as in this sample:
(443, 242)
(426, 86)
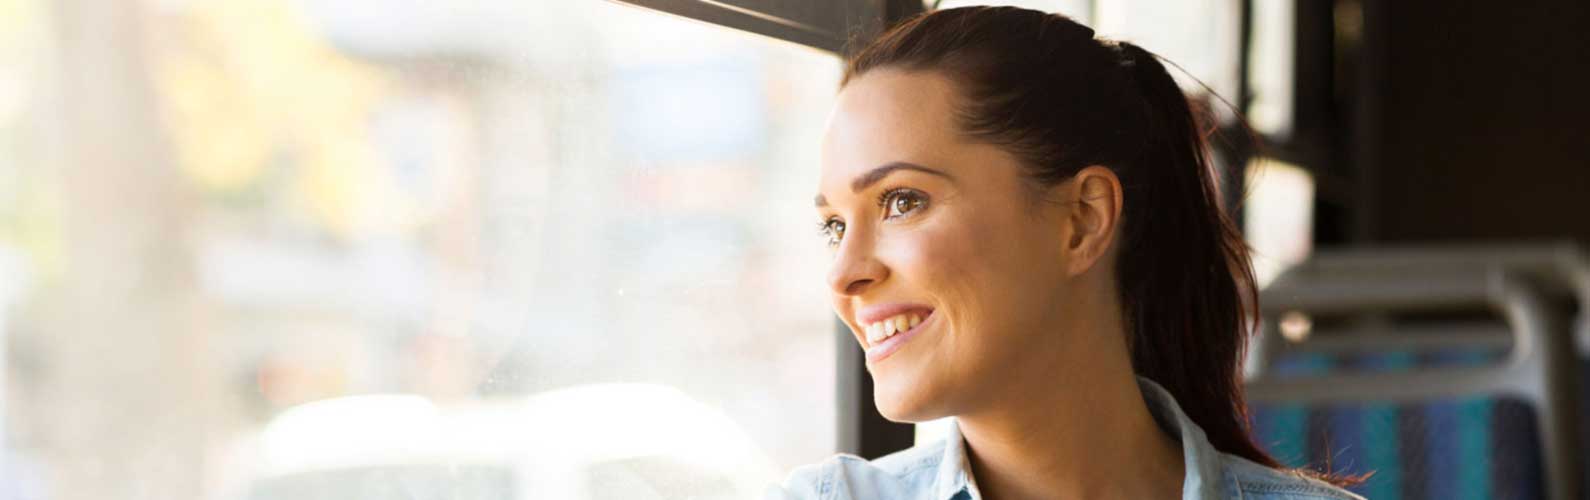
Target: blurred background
(307, 249)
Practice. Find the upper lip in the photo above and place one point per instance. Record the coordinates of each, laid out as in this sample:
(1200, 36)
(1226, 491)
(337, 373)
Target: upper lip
(873, 314)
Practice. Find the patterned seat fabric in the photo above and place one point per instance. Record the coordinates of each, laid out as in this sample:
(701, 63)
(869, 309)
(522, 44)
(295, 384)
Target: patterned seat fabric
(1466, 448)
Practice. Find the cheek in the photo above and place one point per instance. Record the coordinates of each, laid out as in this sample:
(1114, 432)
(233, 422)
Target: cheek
(932, 256)
(995, 271)
(959, 260)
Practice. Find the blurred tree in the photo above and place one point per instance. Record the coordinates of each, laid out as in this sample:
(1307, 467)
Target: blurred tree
(245, 87)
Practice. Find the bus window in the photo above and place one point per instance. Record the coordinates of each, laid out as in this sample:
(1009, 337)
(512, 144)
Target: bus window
(425, 218)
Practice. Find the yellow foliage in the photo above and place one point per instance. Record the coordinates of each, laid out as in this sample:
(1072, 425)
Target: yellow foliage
(245, 83)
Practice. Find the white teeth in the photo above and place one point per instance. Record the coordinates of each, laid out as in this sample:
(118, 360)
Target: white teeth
(884, 329)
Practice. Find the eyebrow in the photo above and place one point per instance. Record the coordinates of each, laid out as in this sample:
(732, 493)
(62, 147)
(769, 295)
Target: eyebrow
(879, 173)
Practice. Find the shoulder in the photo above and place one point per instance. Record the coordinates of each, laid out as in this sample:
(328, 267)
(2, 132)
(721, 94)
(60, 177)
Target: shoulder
(904, 474)
(1255, 481)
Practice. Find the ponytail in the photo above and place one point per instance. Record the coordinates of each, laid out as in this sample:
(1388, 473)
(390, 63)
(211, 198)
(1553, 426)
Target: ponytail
(1184, 271)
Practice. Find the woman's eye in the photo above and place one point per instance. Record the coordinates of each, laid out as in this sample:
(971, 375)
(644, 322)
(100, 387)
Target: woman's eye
(902, 202)
(834, 230)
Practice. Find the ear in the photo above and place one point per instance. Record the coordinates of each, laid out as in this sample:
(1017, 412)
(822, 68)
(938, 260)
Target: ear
(1095, 215)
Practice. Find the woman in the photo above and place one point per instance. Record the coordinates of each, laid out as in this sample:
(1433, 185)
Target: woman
(1027, 237)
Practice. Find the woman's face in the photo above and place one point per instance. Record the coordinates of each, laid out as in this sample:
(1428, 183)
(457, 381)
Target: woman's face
(940, 239)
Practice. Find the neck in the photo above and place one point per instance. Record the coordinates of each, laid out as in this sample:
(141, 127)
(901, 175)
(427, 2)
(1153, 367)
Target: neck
(1085, 432)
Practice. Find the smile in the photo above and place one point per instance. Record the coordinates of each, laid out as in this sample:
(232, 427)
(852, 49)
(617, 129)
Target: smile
(886, 335)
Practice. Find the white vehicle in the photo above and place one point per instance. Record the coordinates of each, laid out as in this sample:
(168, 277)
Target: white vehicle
(628, 441)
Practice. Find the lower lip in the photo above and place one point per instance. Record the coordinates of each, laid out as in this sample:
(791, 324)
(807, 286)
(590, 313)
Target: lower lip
(878, 352)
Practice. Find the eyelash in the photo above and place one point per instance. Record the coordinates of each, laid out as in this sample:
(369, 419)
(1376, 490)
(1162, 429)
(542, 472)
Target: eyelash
(826, 227)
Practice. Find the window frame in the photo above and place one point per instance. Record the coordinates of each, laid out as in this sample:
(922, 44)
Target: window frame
(828, 25)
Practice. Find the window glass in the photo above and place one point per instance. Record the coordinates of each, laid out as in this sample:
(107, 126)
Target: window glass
(1200, 36)
(364, 249)
(1279, 220)
(1271, 75)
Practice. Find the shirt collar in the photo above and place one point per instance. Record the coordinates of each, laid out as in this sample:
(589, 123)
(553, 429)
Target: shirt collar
(1201, 460)
(955, 472)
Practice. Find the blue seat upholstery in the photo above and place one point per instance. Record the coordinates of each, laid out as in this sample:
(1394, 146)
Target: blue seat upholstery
(1465, 448)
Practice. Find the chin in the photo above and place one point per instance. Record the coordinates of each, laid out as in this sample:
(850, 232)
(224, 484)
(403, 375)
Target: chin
(902, 401)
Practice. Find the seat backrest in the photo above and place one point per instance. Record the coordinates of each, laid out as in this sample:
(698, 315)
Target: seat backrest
(1424, 413)
(1449, 448)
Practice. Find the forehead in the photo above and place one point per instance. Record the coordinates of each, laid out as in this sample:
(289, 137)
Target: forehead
(889, 115)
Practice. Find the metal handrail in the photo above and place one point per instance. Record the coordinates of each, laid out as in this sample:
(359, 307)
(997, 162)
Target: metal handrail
(1562, 268)
(1522, 308)
(1410, 338)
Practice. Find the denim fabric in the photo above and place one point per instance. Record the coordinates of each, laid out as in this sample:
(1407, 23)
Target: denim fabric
(939, 471)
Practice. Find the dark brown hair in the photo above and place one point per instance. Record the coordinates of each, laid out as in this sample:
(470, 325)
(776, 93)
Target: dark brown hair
(1041, 86)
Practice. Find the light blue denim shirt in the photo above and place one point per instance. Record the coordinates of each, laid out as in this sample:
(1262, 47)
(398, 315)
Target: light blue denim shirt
(939, 471)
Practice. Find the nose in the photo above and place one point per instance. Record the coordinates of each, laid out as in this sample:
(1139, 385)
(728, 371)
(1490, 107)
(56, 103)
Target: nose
(855, 268)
